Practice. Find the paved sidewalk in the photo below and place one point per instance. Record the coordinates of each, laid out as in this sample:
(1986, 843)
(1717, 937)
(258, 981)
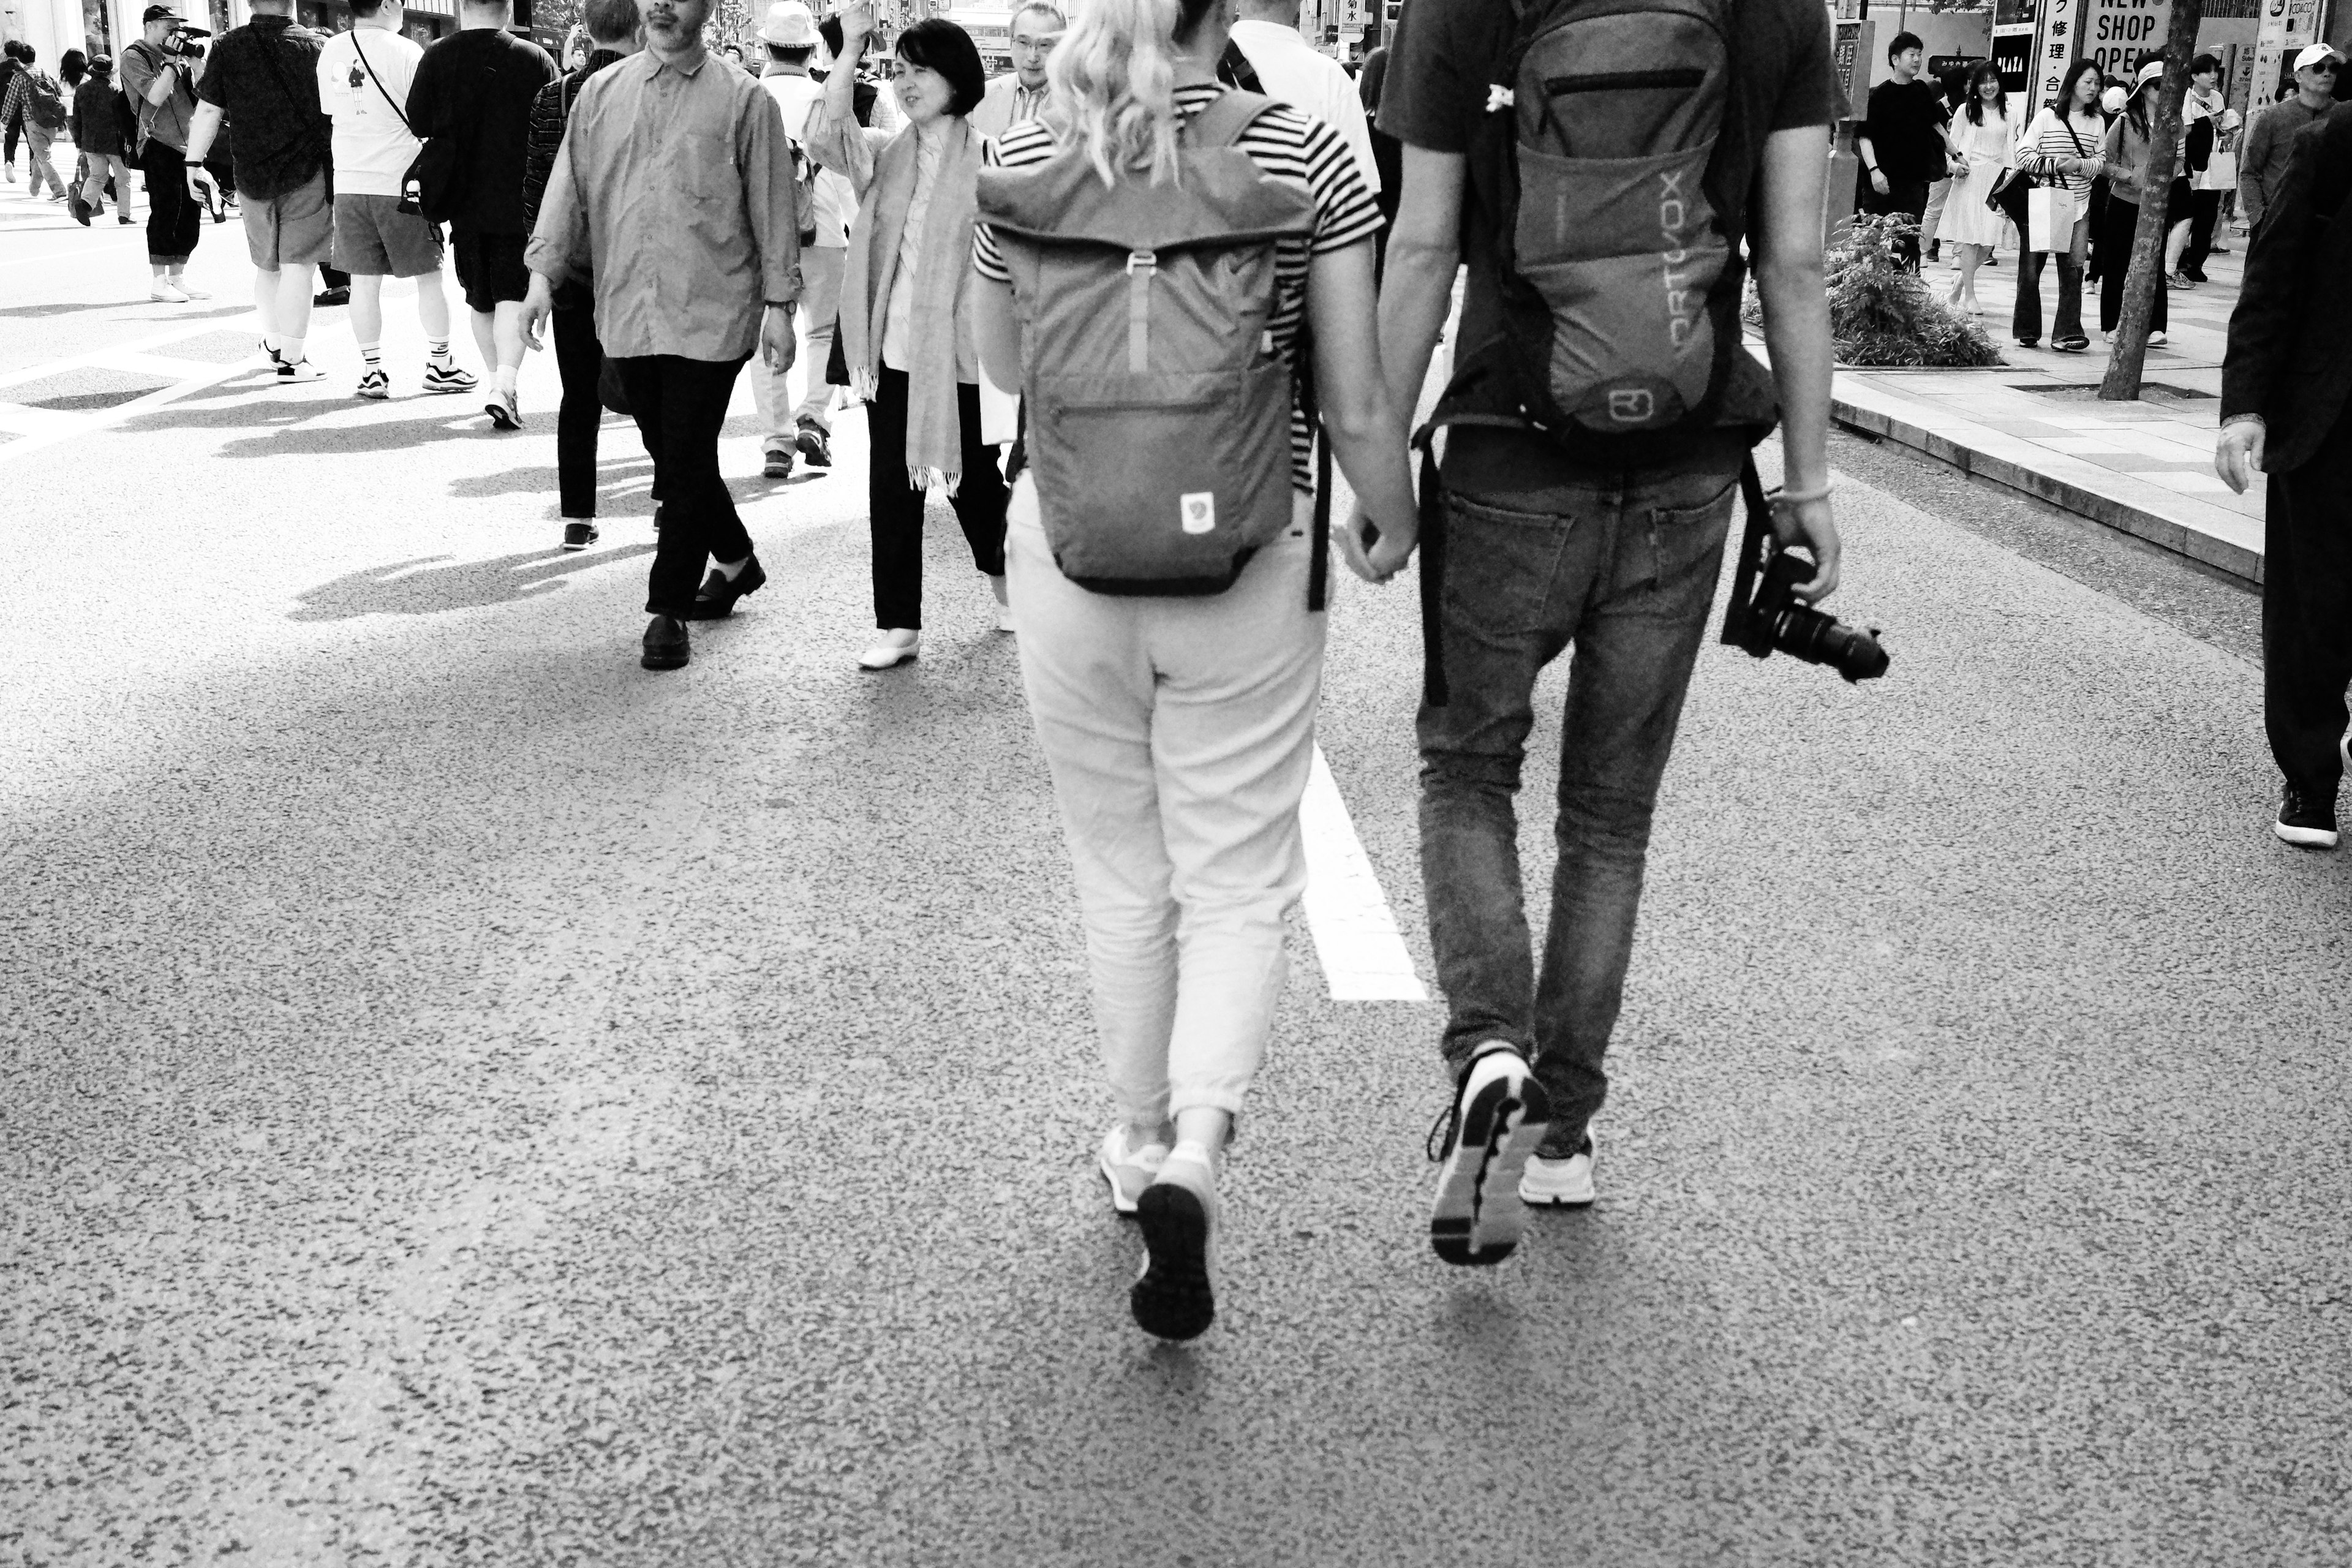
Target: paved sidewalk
(2036, 424)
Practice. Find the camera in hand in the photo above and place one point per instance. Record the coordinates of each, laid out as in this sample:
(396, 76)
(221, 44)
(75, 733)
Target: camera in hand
(1768, 616)
(185, 43)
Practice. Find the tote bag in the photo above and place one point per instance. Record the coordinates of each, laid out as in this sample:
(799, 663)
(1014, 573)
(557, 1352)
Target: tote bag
(2050, 215)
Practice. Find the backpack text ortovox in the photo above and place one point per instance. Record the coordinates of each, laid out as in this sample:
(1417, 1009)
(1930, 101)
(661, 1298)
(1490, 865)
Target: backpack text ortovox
(1621, 308)
(1162, 451)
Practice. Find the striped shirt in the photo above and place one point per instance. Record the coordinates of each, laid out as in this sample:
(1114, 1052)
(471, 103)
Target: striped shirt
(2050, 137)
(1285, 143)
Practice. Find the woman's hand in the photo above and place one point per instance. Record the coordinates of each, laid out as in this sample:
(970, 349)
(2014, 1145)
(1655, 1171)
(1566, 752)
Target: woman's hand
(857, 26)
(1373, 552)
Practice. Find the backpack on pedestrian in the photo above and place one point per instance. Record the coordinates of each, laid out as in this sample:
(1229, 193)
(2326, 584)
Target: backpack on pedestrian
(48, 105)
(1162, 450)
(1620, 304)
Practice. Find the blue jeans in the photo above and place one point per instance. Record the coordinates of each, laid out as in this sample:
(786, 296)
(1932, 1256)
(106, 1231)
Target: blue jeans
(1625, 569)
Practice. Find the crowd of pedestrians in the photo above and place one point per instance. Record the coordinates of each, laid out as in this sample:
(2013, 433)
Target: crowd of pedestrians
(1124, 309)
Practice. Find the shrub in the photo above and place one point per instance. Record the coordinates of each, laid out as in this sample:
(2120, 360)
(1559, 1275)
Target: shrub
(1883, 315)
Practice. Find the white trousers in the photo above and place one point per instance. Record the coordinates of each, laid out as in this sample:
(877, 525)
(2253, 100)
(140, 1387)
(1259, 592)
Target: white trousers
(822, 267)
(1178, 732)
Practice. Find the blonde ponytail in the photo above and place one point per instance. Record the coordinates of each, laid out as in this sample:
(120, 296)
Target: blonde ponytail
(1113, 81)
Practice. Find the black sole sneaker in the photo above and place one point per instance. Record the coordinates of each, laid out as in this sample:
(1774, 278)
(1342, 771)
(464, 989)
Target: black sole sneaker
(1172, 1298)
(578, 535)
(1499, 1118)
(815, 446)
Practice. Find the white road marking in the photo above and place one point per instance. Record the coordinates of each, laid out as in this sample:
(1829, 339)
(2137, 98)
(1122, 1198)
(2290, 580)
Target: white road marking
(1356, 936)
(43, 427)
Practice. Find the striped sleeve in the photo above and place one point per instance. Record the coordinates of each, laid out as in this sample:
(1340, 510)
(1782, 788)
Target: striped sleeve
(1018, 148)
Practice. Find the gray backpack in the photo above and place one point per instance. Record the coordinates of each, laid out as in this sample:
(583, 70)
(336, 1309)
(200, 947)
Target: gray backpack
(1156, 412)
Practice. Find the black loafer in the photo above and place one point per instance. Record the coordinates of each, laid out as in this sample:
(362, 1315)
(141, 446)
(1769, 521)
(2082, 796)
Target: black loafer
(667, 644)
(715, 600)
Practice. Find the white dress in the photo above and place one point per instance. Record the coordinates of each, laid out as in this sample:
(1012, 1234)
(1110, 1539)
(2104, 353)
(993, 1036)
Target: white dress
(1990, 148)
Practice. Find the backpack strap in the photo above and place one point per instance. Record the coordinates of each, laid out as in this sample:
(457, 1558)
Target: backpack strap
(1222, 120)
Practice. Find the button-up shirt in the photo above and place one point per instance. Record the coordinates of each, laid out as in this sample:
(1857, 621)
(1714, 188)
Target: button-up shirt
(2268, 148)
(677, 182)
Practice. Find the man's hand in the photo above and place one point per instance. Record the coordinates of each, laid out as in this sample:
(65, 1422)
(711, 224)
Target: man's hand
(201, 188)
(1878, 182)
(1810, 524)
(538, 304)
(1388, 550)
(778, 348)
(2238, 455)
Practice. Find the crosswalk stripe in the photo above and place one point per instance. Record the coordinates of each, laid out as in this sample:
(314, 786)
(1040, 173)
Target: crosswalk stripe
(1356, 936)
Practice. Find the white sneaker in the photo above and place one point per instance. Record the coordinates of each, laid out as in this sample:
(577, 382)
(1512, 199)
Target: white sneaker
(298, 371)
(1174, 1294)
(1128, 1169)
(166, 293)
(190, 289)
(1559, 1183)
(1004, 621)
(893, 647)
(2156, 340)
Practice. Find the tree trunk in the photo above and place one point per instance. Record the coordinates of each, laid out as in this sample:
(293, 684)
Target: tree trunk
(2130, 353)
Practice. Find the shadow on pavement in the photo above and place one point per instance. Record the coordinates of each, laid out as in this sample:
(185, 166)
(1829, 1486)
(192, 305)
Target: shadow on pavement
(417, 588)
(454, 424)
(610, 473)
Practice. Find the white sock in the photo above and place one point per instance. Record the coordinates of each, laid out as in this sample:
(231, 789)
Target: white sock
(374, 355)
(1193, 1149)
(506, 379)
(289, 351)
(436, 350)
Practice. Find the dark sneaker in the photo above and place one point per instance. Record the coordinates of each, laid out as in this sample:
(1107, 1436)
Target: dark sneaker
(815, 445)
(657, 517)
(715, 600)
(325, 299)
(2305, 823)
(448, 378)
(374, 385)
(2073, 345)
(504, 413)
(776, 463)
(1174, 1295)
(1499, 1118)
(78, 208)
(578, 535)
(667, 644)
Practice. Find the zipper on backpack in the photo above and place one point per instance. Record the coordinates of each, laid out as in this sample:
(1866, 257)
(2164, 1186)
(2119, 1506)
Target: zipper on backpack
(1622, 82)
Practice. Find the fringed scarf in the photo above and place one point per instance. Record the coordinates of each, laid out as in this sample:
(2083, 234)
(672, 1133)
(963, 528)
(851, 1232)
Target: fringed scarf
(940, 327)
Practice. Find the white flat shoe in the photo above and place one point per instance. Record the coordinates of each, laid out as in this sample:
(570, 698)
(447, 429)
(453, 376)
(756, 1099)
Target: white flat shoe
(1004, 621)
(891, 649)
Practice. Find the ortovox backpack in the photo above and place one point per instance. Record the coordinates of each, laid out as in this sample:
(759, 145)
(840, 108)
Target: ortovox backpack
(1600, 130)
(1157, 413)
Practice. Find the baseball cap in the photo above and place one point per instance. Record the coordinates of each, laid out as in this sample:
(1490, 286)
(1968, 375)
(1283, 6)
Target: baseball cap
(2148, 73)
(2317, 55)
(156, 14)
(789, 26)
(2114, 100)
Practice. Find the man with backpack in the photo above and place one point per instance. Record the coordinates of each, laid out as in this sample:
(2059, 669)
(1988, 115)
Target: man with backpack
(159, 72)
(1599, 414)
(790, 39)
(34, 100)
(264, 74)
(12, 63)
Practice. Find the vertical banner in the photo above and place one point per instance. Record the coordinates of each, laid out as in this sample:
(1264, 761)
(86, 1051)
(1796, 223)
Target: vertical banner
(2057, 44)
(2289, 27)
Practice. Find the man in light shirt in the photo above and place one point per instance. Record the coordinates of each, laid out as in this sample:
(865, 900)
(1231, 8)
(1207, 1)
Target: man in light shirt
(1288, 68)
(790, 37)
(364, 76)
(1035, 28)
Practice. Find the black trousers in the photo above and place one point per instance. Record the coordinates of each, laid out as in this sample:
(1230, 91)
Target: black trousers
(1906, 196)
(173, 221)
(2307, 613)
(16, 128)
(2204, 210)
(579, 359)
(679, 405)
(2118, 221)
(897, 507)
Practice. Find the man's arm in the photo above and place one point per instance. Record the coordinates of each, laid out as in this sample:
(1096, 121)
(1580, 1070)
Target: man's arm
(771, 202)
(2263, 324)
(558, 238)
(1790, 285)
(202, 130)
(1417, 292)
(2252, 155)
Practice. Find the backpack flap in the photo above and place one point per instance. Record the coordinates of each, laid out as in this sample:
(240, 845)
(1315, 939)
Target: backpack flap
(1159, 415)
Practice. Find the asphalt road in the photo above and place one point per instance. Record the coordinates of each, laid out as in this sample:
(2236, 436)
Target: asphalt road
(464, 1099)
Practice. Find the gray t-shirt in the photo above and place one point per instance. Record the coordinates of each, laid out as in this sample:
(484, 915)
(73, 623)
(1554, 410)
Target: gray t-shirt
(166, 122)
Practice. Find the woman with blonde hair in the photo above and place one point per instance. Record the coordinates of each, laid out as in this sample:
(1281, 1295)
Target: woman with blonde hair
(906, 320)
(1178, 722)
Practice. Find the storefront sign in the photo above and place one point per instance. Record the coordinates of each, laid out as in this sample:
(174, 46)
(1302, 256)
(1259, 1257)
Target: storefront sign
(2288, 28)
(2117, 31)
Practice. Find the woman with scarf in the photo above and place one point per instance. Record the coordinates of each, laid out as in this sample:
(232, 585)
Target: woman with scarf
(906, 326)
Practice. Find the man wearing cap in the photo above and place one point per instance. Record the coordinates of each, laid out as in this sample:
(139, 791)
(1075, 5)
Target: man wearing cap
(790, 37)
(1035, 30)
(265, 76)
(2269, 139)
(160, 72)
(2287, 411)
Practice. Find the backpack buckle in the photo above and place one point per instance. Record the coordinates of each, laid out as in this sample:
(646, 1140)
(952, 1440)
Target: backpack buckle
(1142, 261)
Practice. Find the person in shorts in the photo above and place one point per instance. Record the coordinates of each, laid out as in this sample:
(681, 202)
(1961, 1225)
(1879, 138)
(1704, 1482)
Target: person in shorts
(364, 76)
(262, 75)
(479, 85)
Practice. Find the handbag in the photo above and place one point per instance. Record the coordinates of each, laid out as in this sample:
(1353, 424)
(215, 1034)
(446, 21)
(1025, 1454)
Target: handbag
(609, 390)
(429, 186)
(2050, 219)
